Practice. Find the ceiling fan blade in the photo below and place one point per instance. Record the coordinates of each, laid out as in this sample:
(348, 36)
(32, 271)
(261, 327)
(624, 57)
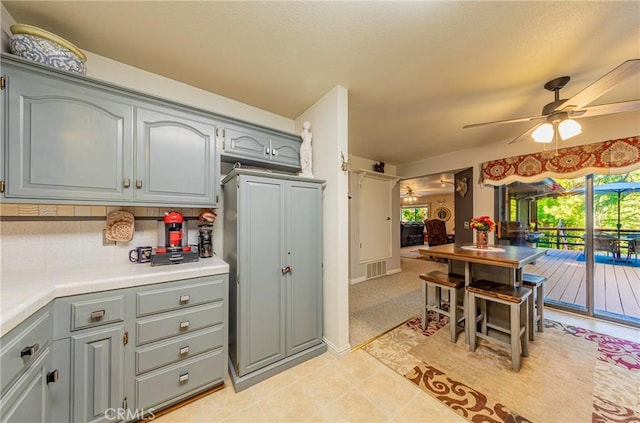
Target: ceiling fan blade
(525, 119)
(604, 84)
(525, 135)
(607, 109)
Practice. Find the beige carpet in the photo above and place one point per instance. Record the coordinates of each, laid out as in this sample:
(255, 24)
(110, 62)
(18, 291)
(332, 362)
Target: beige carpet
(377, 305)
(571, 374)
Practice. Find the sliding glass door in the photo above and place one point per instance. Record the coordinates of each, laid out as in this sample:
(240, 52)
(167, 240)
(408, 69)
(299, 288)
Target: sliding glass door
(591, 228)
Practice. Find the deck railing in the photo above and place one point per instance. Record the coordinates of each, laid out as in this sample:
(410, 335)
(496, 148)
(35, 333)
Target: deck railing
(566, 238)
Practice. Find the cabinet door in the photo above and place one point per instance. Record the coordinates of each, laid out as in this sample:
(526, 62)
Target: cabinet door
(28, 400)
(98, 367)
(246, 143)
(261, 289)
(304, 255)
(285, 151)
(175, 158)
(66, 141)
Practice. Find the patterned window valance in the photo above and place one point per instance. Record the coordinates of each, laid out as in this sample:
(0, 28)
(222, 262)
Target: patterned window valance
(607, 157)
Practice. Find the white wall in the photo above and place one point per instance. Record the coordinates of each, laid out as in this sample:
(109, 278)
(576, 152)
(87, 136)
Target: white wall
(108, 70)
(329, 123)
(594, 130)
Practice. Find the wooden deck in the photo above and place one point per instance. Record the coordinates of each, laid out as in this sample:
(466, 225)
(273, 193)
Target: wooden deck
(617, 287)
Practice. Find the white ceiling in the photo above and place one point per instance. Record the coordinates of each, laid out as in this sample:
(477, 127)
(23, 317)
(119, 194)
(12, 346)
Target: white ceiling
(416, 71)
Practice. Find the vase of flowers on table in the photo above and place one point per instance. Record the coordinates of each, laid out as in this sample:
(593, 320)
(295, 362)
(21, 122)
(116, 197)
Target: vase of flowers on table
(483, 225)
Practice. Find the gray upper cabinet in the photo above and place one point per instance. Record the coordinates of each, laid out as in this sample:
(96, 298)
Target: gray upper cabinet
(261, 148)
(65, 141)
(273, 244)
(68, 138)
(71, 139)
(175, 158)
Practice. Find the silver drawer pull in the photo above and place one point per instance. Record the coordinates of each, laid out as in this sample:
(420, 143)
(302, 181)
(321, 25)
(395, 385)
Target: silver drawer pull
(184, 350)
(30, 350)
(184, 377)
(52, 377)
(184, 325)
(98, 314)
(184, 299)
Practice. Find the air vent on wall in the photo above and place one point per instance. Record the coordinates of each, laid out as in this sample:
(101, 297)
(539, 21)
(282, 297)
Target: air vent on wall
(377, 268)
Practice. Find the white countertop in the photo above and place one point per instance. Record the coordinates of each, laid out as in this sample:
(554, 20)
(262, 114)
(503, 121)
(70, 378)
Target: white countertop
(25, 292)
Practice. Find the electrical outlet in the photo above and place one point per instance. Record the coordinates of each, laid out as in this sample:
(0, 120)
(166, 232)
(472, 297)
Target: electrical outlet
(105, 241)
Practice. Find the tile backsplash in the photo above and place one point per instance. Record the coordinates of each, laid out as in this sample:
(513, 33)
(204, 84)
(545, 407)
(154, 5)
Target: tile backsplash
(47, 244)
(56, 210)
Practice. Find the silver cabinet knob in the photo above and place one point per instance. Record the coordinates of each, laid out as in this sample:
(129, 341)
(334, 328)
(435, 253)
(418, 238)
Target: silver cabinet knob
(98, 314)
(30, 350)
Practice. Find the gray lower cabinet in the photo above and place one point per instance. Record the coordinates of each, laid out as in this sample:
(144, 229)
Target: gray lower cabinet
(98, 374)
(261, 148)
(273, 244)
(93, 328)
(27, 370)
(116, 355)
(181, 340)
(28, 400)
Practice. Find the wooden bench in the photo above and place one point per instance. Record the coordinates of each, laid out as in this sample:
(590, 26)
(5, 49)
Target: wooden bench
(536, 314)
(453, 285)
(517, 331)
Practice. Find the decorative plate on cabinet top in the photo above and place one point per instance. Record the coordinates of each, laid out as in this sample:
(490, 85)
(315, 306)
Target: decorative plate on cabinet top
(39, 45)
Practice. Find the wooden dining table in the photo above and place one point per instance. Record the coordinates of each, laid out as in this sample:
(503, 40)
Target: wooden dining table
(497, 263)
(510, 257)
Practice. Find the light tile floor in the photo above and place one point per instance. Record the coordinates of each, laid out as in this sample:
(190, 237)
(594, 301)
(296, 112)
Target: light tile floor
(354, 388)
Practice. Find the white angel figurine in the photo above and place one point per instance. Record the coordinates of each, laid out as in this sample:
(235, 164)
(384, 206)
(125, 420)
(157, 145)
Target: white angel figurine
(306, 154)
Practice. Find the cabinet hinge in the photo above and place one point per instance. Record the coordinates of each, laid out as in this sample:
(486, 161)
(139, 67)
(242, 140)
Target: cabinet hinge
(238, 368)
(1, 186)
(238, 281)
(125, 339)
(2, 83)
(217, 198)
(223, 145)
(124, 403)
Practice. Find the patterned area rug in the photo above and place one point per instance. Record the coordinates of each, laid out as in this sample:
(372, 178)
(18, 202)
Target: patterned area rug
(571, 374)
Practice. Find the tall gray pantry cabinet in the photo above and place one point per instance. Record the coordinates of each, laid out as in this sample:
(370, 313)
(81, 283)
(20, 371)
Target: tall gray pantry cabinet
(273, 244)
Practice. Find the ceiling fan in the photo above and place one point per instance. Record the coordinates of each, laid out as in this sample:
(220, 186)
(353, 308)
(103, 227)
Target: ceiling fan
(557, 116)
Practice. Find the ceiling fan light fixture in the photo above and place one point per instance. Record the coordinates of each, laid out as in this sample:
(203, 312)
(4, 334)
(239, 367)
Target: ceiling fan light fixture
(569, 128)
(410, 197)
(543, 133)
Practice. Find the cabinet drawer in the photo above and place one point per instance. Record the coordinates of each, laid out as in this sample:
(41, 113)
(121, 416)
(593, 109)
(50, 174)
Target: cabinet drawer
(202, 290)
(166, 384)
(95, 312)
(178, 349)
(31, 339)
(176, 323)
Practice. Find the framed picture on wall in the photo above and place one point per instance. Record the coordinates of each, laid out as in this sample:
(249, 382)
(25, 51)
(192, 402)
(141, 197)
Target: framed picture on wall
(443, 213)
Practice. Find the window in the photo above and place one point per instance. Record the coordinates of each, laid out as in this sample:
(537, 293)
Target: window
(414, 214)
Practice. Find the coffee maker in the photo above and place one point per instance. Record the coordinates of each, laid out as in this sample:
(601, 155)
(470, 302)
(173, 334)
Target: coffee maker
(173, 243)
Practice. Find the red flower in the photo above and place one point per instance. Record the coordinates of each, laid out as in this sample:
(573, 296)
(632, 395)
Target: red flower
(482, 223)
